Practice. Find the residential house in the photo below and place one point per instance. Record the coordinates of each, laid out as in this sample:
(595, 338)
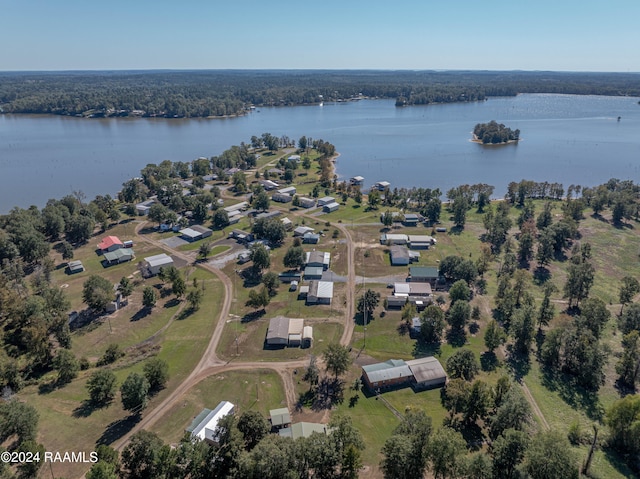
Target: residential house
(243, 205)
(318, 258)
(306, 202)
(242, 236)
(294, 158)
(331, 207)
(424, 274)
(285, 331)
(420, 373)
(143, 208)
(326, 200)
(289, 276)
(288, 224)
(411, 219)
(280, 418)
(302, 230)
(118, 256)
(268, 214)
(289, 190)
(313, 272)
(302, 429)
(320, 292)
(153, 264)
(382, 185)
(427, 373)
(281, 197)
(399, 255)
(205, 424)
(357, 180)
(421, 241)
(389, 374)
(311, 238)
(412, 289)
(110, 243)
(269, 185)
(391, 239)
(195, 233)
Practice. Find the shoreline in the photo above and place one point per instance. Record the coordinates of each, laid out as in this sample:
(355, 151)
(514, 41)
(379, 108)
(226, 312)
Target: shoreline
(478, 141)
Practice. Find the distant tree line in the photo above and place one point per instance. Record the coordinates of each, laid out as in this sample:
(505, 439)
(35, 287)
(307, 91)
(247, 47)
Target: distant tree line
(184, 94)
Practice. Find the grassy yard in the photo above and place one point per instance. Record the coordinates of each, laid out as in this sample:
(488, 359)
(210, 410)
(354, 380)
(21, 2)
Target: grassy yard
(259, 390)
(251, 341)
(68, 423)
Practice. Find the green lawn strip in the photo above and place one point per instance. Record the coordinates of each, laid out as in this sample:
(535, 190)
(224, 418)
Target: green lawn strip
(351, 212)
(375, 422)
(251, 341)
(259, 390)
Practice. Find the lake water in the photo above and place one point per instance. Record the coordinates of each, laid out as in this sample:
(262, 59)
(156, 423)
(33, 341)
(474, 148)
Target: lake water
(565, 138)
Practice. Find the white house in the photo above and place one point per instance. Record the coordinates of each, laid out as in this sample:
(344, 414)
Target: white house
(155, 263)
(205, 425)
(326, 200)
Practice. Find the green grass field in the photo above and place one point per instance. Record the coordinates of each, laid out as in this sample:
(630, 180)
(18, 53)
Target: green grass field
(67, 424)
(259, 390)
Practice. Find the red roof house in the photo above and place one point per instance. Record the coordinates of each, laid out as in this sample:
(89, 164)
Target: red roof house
(110, 243)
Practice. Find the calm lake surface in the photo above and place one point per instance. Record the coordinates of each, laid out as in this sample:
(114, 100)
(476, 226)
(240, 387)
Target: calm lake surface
(565, 138)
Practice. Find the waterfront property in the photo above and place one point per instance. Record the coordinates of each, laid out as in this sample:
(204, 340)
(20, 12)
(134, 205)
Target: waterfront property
(205, 424)
(357, 180)
(382, 185)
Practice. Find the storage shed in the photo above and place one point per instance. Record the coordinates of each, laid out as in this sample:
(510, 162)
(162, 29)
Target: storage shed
(205, 424)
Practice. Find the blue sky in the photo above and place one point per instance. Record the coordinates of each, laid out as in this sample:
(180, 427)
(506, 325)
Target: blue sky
(565, 35)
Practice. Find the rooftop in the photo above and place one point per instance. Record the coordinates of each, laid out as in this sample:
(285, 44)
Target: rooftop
(424, 271)
(109, 241)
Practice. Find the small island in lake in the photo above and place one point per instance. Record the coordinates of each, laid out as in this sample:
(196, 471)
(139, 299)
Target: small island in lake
(494, 133)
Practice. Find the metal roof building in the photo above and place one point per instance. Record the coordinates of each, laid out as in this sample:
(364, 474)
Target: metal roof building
(427, 372)
(280, 417)
(205, 424)
(393, 372)
(320, 292)
(302, 429)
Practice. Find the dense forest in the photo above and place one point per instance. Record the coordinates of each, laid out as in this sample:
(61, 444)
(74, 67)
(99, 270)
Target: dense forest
(178, 94)
(494, 133)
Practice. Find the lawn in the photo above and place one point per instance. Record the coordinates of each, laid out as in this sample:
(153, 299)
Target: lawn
(251, 340)
(259, 390)
(68, 424)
